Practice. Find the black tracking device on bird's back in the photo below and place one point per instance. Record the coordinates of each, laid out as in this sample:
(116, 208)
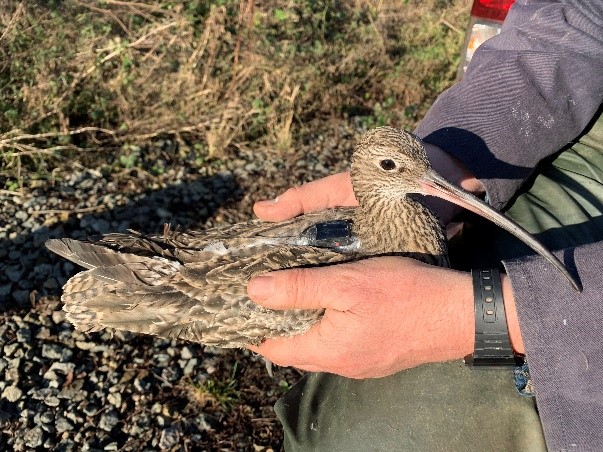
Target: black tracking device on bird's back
(329, 234)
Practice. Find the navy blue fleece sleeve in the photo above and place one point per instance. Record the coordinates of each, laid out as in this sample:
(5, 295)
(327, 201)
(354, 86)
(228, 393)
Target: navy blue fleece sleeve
(527, 93)
(563, 335)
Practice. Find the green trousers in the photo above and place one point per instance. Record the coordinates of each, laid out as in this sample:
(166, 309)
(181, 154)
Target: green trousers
(446, 406)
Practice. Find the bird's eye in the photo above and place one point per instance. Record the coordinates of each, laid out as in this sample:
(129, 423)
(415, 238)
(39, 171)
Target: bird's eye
(387, 164)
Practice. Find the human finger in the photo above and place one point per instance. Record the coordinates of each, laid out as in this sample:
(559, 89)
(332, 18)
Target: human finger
(307, 288)
(331, 191)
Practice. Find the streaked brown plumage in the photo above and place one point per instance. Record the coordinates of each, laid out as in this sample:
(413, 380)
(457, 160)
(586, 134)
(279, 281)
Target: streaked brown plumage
(192, 284)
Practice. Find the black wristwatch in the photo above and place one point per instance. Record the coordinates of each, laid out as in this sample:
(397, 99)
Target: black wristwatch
(492, 342)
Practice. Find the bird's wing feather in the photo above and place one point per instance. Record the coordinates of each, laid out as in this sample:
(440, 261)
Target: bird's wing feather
(88, 255)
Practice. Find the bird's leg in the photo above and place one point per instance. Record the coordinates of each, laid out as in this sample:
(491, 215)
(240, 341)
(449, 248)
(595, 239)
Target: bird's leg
(269, 367)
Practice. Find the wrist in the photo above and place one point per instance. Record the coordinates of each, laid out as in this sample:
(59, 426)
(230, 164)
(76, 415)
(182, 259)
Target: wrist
(463, 326)
(512, 317)
(447, 322)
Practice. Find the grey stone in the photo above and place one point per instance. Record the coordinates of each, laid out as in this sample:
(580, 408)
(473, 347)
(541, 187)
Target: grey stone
(141, 385)
(67, 190)
(163, 213)
(43, 333)
(74, 392)
(40, 236)
(108, 420)
(14, 273)
(42, 269)
(52, 351)
(190, 366)
(12, 393)
(170, 374)
(63, 425)
(34, 437)
(5, 289)
(100, 348)
(101, 226)
(74, 417)
(51, 284)
(47, 417)
(114, 399)
(86, 183)
(135, 430)
(12, 374)
(10, 349)
(90, 409)
(169, 438)
(66, 355)
(24, 335)
(186, 353)
(66, 445)
(43, 393)
(25, 284)
(52, 401)
(21, 297)
(83, 345)
(58, 316)
(21, 215)
(66, 337)
(162, 359)
(64, 368)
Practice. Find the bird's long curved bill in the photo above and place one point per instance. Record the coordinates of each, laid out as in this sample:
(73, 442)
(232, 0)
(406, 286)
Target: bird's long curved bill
(435, 185)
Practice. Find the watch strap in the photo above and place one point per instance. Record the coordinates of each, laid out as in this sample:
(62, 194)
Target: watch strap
(492, 342)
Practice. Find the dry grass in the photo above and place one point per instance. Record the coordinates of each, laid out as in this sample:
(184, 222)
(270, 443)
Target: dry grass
(83, 75)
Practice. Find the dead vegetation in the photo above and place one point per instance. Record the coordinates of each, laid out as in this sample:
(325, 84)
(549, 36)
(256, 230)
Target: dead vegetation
(79, 79)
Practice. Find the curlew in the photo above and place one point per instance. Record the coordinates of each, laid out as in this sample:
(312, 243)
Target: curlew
(192, 285)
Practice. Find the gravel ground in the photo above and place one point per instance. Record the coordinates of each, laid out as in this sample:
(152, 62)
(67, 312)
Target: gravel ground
(64, 390)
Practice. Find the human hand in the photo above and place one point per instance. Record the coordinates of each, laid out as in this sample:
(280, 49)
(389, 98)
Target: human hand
(331, 191)
(382, 315)
(456, 172)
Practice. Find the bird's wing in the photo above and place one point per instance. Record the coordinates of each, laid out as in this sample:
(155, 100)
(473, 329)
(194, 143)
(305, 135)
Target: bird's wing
(188, 246)
(203, 301)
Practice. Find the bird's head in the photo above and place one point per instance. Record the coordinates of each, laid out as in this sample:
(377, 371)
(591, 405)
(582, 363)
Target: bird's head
(388, 163)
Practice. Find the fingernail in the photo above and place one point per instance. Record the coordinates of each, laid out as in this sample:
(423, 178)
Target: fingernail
(261, 287)
(267, 202)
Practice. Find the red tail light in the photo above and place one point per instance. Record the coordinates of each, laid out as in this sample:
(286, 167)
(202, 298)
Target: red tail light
(491, 9)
